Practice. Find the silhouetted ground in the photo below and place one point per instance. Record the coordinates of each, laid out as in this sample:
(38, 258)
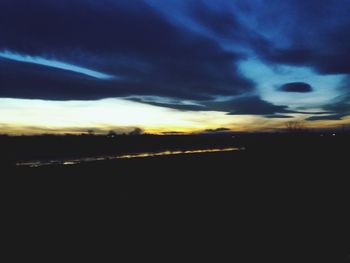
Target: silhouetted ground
(284, 199)
(46, 147)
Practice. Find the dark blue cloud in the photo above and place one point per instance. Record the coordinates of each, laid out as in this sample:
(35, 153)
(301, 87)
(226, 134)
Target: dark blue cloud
(217, 21)
(130, 40)
(296, 87)
(253, 105)
(241, 105)
(193, 58)
(278, 116)
(340, 110)
(312, 33)
(333, 117)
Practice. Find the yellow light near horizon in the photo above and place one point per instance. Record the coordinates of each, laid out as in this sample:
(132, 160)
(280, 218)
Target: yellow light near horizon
(24, 116)
(36, 116)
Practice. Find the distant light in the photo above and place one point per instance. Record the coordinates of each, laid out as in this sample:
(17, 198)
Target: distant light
(54, 64)
(333, 134)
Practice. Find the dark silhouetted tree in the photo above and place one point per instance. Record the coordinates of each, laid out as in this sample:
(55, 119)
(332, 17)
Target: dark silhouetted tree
(136, 131)
(295, 126)
(111, 134)
(91, 132)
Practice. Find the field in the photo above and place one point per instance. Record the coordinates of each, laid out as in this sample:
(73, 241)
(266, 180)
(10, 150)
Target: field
(283, 197)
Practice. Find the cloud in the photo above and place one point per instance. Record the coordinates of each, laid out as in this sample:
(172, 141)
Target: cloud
(217, 130)
(296, 87)
(132, 40)
(339, 108)
(54, 64)
(278, 116)
(253, 105)
(333, 117)
(241, 105)
(34, 81)
(311, 33)
(169, 103)
(218, 21)
(172, 133)
(89, 50)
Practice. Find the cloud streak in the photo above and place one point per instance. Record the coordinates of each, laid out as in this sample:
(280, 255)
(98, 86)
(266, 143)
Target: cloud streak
(53, 64)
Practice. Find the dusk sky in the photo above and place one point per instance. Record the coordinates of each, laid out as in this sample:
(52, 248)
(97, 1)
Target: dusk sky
(173, 65)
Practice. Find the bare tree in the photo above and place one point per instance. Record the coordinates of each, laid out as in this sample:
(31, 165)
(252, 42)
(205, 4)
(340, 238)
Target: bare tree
(90, 132)
(111, 134)
(136, 131)
(295, 126)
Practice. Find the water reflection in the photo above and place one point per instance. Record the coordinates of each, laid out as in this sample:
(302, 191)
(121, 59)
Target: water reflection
(125, 156)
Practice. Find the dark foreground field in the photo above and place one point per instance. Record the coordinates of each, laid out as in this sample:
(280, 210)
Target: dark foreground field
(280, 200)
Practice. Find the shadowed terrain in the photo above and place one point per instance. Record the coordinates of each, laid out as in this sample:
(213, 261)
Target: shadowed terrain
(285, 197)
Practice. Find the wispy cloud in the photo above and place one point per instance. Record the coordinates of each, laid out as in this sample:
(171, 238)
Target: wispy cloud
(53, 64)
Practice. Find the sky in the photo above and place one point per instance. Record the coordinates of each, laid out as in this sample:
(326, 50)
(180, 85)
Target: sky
(173, 66)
